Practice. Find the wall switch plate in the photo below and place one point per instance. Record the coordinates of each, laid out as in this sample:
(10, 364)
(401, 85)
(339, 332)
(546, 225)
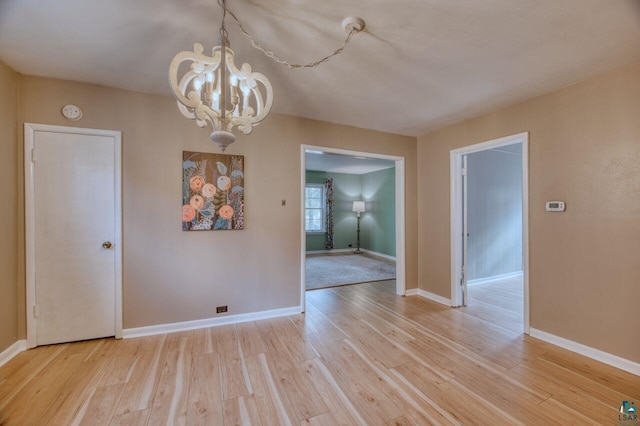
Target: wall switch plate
(221, 309)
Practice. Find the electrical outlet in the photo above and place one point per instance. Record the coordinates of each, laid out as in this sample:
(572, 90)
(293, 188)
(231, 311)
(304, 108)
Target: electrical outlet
(221, 309)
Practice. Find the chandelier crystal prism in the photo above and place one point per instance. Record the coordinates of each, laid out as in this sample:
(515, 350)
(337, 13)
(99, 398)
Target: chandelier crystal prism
(213, 91)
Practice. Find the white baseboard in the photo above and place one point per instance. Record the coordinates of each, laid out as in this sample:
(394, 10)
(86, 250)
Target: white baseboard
(589, 352)
(347, 250)
(208, 322)
(495, 277)
(411, 292)
(375, 253)
(351, 250)
(428, 295)
(11, 351)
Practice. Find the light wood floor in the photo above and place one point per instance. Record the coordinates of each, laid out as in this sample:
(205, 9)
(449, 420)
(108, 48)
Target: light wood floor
(499, 302)
(360, 355)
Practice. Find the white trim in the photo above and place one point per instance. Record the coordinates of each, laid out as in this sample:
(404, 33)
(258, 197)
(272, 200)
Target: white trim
(375, 253)
(347, 250)
(456, 213)
(209, 322)
(29, 189)
(303, 231)
(412, 292)
(588, 351)
(400, 213)
(433, 297)
(495, 278)
(13, 350)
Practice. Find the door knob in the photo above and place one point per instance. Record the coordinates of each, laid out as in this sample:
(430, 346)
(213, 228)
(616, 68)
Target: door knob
(106, 245)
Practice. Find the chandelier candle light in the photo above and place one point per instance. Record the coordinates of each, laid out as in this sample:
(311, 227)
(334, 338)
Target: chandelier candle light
(214, 91)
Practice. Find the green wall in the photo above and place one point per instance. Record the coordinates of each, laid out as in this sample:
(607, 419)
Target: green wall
(346, 189)
(379, 221)
(377, 189)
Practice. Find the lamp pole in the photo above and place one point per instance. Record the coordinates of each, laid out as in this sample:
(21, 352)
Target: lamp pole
(358, 207)
(358, 251)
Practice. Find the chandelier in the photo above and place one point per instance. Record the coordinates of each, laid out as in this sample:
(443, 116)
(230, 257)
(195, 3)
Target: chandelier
(213, 91)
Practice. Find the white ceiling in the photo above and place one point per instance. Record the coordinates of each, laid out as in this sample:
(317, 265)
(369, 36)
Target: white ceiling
(422, 63)
(338, 163)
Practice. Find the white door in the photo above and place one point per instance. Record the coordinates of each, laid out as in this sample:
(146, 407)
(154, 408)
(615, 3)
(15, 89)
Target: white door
(74, 202)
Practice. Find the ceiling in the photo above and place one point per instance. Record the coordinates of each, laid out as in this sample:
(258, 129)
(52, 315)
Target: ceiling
(338, 163)
(420, 65)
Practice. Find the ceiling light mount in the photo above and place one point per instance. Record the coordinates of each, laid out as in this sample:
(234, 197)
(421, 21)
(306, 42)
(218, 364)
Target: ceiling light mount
(353, 24)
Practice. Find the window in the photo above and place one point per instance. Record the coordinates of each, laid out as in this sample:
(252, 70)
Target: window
(314, 207)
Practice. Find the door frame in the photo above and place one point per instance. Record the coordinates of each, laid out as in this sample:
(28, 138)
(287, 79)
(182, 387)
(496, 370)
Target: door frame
(457, 212)
(30, 130)
(400, 214)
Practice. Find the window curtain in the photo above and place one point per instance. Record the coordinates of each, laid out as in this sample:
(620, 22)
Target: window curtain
(328, 186)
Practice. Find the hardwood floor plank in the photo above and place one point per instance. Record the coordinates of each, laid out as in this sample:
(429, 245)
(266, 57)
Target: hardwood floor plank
(18, 378)
(70, 398)
(141, 387)
(99, 407)
(598, 372)
(132, 418)
(325, 419)
(170, 402)
(34, 398)
(566, 415)
(462, 407)
(232, 368)
(361, 355)
(241, 411)
(400, 421)
(344, 412)
(368, 392)
(250, 339)
(559, 382)
(268, 399)
(298, 393)
(205, 392)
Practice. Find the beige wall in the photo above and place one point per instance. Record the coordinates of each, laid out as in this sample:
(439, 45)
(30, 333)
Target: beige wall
(9, 83)
(170, 275)
(584, 148)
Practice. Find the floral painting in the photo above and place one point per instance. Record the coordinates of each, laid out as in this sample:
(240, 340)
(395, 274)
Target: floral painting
(212, 191)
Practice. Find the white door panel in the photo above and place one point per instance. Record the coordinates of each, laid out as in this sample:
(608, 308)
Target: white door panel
(74, 203)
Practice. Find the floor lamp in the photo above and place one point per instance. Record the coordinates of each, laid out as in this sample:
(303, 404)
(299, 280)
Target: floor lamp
(358, 207)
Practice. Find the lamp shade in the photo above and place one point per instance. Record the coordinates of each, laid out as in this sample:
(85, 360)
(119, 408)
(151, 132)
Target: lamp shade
(358, 206)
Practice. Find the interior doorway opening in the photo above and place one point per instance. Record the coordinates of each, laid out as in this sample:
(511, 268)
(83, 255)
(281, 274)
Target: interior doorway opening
(489, 231)
(367, 193)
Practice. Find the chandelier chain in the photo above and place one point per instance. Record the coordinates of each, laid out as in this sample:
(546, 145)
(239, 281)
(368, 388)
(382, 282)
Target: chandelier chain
(223, 29)
(273, 56)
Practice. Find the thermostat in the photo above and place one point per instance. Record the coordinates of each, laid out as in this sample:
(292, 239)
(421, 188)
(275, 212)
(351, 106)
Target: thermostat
(555, 206)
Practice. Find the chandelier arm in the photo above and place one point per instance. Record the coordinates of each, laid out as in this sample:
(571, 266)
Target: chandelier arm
(270, 54)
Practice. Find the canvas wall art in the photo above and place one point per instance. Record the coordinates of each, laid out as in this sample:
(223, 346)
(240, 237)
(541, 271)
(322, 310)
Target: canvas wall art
(212, 191)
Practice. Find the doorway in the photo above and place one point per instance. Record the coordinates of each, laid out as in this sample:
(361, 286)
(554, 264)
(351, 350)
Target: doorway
(397, 165)
(489, 231)
(73, 234)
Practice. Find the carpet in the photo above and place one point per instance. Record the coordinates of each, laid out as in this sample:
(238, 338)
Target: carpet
(329, 270)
